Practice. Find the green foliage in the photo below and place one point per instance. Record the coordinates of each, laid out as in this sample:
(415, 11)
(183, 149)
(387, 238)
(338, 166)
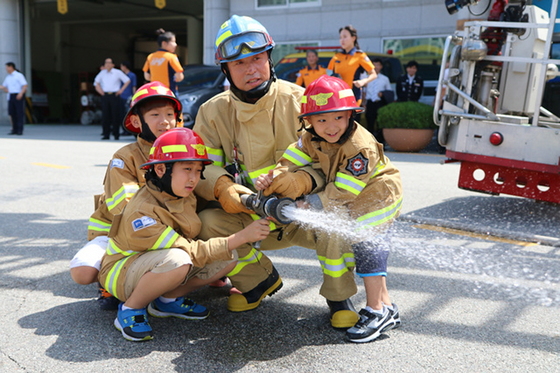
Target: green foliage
(408, 114)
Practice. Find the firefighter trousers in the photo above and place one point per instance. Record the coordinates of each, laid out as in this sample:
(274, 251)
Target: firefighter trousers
(334, 254)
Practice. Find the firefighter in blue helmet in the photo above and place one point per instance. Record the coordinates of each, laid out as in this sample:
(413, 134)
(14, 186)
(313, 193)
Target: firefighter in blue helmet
(246, 129)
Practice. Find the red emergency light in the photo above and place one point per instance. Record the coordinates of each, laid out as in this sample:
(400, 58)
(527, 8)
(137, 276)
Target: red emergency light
(496, 138)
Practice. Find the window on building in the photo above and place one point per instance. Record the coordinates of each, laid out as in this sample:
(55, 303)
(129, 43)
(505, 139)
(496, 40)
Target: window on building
(287, 3)
(426, 51)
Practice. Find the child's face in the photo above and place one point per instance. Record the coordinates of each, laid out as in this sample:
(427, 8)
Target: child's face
(159, 119)
(185, 176)
(330, 126)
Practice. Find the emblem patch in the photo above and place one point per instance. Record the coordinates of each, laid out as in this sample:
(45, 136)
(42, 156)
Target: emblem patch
(118, 163)
(357, 165)
(143, 222)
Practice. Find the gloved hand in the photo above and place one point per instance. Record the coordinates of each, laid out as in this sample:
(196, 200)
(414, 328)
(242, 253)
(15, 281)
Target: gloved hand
(227, 193)
(290, 184)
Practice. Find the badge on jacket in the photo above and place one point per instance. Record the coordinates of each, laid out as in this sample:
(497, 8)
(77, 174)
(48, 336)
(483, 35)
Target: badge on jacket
(357, 165)
(119, 163)
(143, 222)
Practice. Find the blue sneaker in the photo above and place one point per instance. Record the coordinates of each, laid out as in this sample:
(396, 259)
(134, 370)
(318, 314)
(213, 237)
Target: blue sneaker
(182, 308)
(133, 324)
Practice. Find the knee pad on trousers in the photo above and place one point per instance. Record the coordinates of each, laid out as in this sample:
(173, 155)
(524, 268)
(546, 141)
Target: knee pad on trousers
(371, 259)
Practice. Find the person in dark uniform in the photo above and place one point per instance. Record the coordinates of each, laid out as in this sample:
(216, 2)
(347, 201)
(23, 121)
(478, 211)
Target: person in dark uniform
(15, 86)
(410, 85)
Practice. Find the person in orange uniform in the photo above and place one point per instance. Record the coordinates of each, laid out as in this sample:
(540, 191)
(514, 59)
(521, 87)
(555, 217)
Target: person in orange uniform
(312, 71)
(350, 63)
(163, 65)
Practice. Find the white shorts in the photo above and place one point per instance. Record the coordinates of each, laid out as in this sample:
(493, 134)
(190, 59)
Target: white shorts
(91, 254)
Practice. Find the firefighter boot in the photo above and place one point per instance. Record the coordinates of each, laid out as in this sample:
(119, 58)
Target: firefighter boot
(343, 314)
(252, 299)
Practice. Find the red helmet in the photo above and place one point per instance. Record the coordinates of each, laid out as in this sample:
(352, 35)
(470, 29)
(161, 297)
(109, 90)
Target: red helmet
(177, 145)
(327, 94)
(150, 90)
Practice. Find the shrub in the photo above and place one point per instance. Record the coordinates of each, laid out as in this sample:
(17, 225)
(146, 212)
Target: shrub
(408, 114)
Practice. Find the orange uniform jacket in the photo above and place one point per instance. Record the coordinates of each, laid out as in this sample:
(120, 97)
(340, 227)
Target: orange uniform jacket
(350, 66)
(162, 66)
(307, 75)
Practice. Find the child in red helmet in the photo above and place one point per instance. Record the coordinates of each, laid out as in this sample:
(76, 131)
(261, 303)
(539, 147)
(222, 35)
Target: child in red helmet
(359, 177)
(153, 259)
(154, 109)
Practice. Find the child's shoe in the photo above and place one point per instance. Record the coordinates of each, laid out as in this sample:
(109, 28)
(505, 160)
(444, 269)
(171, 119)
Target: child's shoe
(395, 316)
(106, 301)
(370, 326)
(182, 308)
(133, 324)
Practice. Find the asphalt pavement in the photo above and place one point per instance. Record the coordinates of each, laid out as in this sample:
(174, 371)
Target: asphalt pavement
(477, 279)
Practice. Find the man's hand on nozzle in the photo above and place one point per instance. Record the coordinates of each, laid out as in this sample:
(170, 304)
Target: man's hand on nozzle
(228, 194)
(290, 184)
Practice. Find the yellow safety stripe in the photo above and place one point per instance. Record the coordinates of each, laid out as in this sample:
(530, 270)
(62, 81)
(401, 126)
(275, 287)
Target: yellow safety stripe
(271, 224)
(253, 257)
(217, 155)
(379, 217)
(113, 249)
(378, 168)
(182, 148)
(255, 174)
(296, 156)
(337, 267)
(349, 183)
(111, 281)
(345, 93)
(124, 193)
(165, 240)
(98, 225)
(222, 37)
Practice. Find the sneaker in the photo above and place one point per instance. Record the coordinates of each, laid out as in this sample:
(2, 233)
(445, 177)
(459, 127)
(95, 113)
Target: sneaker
(182, 308)
(395, 316)
(106, 301)
(252, 299)
(343, 314)
(133, 324)
(370, 326)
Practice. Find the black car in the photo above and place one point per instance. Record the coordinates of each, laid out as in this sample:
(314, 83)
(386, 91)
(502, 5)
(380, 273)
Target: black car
(201, 82)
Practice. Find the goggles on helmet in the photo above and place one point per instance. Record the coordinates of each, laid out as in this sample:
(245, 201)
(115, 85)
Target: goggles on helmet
(242, 45)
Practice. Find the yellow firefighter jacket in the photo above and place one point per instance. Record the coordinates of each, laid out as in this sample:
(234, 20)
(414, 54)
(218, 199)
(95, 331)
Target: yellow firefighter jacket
(254, 134)
(154, 220)
(122, 179)
(358, 175)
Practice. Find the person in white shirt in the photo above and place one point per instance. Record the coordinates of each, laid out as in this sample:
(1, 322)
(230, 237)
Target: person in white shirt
(15, 85)
(110, 83)
(378, 93)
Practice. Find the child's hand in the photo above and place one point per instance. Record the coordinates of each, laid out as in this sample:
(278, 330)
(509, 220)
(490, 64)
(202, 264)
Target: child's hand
(256, 231)
(264, 180)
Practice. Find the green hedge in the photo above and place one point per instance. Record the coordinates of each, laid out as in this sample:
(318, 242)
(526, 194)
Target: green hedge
(408, 114)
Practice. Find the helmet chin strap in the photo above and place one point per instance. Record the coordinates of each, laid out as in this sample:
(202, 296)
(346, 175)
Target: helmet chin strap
(146, 132)
(162, 183)
(254, 94)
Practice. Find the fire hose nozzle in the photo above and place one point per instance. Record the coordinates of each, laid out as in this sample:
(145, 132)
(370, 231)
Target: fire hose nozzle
(268, 206)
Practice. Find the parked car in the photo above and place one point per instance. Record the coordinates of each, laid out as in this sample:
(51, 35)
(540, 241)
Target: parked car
(288, 67)
(201, 83)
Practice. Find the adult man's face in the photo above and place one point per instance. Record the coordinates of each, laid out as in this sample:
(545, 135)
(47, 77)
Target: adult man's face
(250, 72)
(108, 64)
(378, 66)
(9, 69)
